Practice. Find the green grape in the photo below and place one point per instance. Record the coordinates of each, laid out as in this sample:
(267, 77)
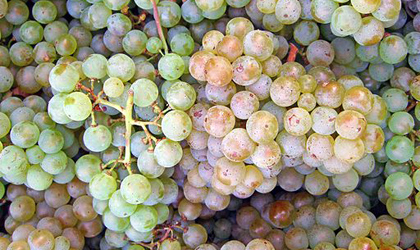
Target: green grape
(97, 138)
(416, 179)
(145, 92)
(148, 165)
(36, 103)
(13, 160)
(134, 42)
(412, 220)
(209, 5)
(115, 239)
(21, 54)
(135, 189)
(306, 32)
(64, 77)
(271, 23)
(3, 8)
(31, 32)
(385, 232)
(67, 175)
(116, 5)
(320, 53)
(68, 135)
(176, 125)
(119, 207)
(82, 35)
(77, 106)
(398, 209)
(346, 182)
(393, 49)
(42, 72)
(400, 149)
(181, 96)
(322, 10)
(171, 66)
(118, 24)
(170, 190)
(288, 12)
(168, 153)
(197, 235)
(169, 13)
(22, 208)
(358, 224)
(6, 79)
(396, 99)
(54, 163)
(113, 222)
(387, 10)
(35, 154)
(169, 244)
(87, 167)
(17, 12)
(95, 66)
(51, 141)
(44, 12)
(65, 45)
(25, 134)
(5, 125)
(157, 193)
(163, 212)
(154, 45)
(144, 219)
(61, 243)
(102, 186)
(216, 14)
(371, 31)
(38, 179)
(401, 123)
(399, 185)
(316, 183)
(138, 144)
(258, 44)
(297, 121)
(182, 44)
(113, 87)
(121, 66)
(191, 13)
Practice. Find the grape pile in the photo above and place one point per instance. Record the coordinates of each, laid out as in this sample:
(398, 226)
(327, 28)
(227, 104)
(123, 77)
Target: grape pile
(210, 124)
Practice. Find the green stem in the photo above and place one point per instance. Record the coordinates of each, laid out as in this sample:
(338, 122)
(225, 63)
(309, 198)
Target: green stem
(109, 104)
(128, 114)
(159, 27)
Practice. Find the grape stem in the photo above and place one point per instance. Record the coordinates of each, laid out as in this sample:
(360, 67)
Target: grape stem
(292, 53)
(162, 234)
(128, 115)
(159, 26)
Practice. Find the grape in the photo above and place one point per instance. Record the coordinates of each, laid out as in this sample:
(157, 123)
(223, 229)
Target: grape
(171, 66)
(25, 134)
(6, 80)
(195, 236)
(51, 141)
(116, 5)
(191, 13)
(264, 47)
(144, 219)
(135, 189)
(154, 45)
(322, 10)
(398, 209)
(218, 71)
(400, 149)
(288, 85)
(97, 138)
(87, 167)
(181, 96)
(182, 44)
(95, 66)
(169, 13)
(399, 185)
(113, 222)
(246, 70)
(296, 238)
(396, 44)
(134, 42)
(65, 45)
(262, 127)
(17, 12)
(64, 77)
(5, 125)
(297, 121)
(168, 153)
(22, 208)
(67, 175)
(44, 12)
(121, 66)
(102, 186)
(118, 24)
(54, 163)
(21, 53)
